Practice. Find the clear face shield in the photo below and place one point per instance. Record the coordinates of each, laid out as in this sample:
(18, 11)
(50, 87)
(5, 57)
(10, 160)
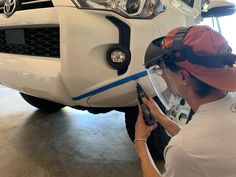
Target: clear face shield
(165, 92)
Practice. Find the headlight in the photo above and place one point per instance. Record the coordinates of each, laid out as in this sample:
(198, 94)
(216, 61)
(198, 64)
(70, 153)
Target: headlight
(126, 8)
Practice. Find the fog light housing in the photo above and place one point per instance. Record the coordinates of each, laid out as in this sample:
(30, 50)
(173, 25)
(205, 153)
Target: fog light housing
(118, 58)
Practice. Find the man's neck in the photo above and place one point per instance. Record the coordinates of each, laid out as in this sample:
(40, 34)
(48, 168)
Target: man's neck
(195, 101)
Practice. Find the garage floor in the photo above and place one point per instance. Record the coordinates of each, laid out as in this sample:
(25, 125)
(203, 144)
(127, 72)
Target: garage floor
(68, 143)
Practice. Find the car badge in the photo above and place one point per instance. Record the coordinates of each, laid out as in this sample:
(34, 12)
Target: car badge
(9, 7)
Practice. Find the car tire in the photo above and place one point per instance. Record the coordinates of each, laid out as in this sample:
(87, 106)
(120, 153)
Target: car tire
(42, 104)
(158, 139)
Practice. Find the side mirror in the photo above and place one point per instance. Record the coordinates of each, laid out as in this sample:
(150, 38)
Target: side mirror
(218, 8)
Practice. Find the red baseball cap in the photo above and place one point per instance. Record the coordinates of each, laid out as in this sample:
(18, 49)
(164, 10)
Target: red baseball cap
(204, 41)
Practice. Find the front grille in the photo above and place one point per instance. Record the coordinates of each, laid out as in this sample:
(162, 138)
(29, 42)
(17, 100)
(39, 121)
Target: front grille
(1, 6)
(29, 4)
(43, 42)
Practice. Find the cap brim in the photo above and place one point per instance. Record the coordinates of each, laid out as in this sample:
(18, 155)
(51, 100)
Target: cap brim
(220, 78)
(224, 81)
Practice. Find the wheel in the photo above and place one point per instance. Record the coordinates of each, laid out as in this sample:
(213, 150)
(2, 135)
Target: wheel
(159, 138)
(42, 104)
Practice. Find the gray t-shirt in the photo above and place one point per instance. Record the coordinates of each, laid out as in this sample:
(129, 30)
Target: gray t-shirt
(206, 147)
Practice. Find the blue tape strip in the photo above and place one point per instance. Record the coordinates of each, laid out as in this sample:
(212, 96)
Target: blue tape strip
(111, 85)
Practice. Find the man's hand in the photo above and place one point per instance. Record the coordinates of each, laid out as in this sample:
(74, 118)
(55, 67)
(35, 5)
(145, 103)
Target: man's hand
(172, 127)
(142, 131)
(154, 108)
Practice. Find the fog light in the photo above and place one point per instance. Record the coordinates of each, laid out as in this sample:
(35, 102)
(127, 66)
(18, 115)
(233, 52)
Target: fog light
(119, 58)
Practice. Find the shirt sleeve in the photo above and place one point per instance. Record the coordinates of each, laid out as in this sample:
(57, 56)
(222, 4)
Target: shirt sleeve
(180, 164)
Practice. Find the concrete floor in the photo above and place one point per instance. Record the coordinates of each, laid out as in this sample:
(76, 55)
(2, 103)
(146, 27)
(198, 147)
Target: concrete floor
(68, 143)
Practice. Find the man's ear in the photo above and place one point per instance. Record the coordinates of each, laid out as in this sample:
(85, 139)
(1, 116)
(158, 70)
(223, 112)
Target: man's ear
(185, 77)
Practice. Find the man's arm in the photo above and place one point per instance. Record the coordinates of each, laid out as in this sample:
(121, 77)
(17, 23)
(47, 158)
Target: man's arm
(171, 127)
(177, 162)
(148, 166)
(142, 132)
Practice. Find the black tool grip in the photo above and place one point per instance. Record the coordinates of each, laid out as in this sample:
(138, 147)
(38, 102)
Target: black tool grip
(148, 117)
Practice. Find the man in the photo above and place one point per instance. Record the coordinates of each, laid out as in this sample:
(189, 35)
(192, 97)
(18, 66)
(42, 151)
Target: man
(197, 65)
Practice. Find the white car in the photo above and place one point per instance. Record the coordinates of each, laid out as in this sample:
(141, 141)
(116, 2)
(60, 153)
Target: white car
(86, 54)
